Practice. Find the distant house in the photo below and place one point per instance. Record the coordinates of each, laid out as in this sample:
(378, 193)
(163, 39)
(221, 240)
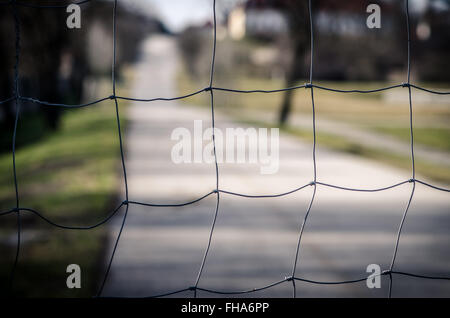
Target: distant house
(348, 18)
(266, 22)
(267, 18)
(256, 18)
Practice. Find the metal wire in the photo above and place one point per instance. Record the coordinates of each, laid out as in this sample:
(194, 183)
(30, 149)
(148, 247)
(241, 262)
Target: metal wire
(304, 280)
(16, 121)
(305, 219)
(216, 212)
(413, 168)
(230, 90)
(17, 98)
(122, 156)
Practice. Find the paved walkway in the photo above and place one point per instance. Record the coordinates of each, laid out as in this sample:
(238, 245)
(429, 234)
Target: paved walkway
(255, 239)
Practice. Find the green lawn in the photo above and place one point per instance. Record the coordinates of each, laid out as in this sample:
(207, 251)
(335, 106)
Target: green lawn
(438, 138)
(72, 177)
(435, 172)
(366, 111)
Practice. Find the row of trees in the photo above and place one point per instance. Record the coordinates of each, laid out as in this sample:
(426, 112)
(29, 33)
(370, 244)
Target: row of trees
(55, 61)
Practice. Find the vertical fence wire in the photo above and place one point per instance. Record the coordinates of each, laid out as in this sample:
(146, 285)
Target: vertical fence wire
(413, 168)
(216, 211)
(16, 122)
(303, 224)
(122, 156)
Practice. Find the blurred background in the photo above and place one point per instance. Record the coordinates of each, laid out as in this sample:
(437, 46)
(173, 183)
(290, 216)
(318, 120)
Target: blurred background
(68, 160)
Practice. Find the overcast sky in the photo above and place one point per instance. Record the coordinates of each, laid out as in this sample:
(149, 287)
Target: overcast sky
(176, 14)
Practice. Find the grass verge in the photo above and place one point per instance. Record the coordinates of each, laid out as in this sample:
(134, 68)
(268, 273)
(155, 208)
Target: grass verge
(71, 177)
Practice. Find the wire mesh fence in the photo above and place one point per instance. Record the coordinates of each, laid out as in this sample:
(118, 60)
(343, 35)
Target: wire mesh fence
(17, 98)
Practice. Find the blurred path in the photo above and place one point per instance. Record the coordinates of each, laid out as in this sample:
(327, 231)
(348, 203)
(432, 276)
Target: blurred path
(255, 239)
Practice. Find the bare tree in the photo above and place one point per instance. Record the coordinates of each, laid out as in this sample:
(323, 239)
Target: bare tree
(298, 19)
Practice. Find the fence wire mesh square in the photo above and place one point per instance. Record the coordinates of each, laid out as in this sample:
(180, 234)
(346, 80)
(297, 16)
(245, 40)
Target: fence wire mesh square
(17, 98)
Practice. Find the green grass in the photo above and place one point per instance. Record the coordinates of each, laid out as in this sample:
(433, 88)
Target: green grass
(364, 111)
(438, 138)
(34, 123)
(72, 177)
(438, 173)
